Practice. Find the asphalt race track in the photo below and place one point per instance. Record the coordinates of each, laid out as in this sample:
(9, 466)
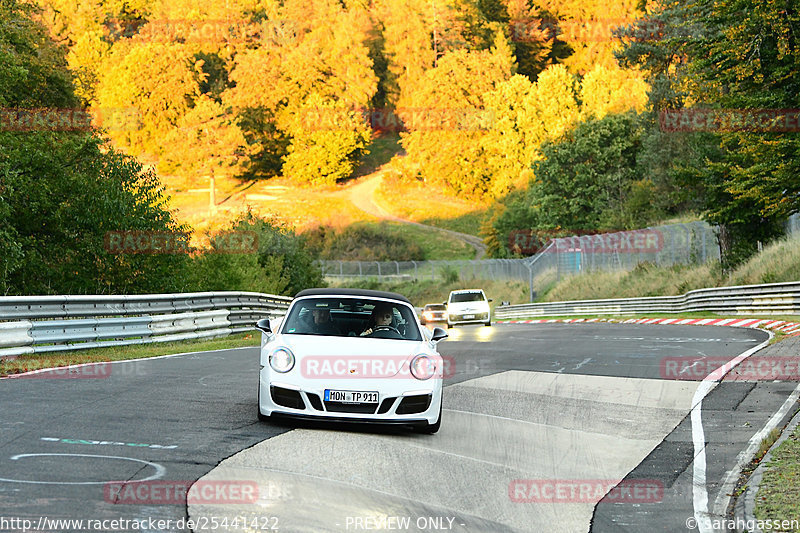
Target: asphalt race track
(541, 422)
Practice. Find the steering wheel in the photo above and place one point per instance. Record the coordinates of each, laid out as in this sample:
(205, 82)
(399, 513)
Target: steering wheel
(386, 328)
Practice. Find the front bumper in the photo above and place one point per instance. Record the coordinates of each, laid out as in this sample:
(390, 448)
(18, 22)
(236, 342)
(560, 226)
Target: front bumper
(474, 318)
(400, 401)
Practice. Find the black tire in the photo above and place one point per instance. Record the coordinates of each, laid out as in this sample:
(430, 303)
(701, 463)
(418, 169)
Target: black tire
(430, 429)
(489, 323)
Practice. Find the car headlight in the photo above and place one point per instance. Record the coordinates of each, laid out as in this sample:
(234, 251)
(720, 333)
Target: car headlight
(423, 367)
(281, 360)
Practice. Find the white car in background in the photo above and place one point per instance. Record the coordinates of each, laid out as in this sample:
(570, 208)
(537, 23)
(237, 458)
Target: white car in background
(353, 356)
(468, 306)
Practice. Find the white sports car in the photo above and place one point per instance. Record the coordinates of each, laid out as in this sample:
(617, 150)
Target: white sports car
(351, 355)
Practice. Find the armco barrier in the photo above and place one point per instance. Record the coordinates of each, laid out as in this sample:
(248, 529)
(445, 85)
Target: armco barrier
(772, 298)
(33, 324)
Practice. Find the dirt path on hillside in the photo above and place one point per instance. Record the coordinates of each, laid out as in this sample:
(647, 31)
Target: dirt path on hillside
(362, 196)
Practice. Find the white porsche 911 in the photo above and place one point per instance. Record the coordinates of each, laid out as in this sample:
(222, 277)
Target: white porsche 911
(351, 355)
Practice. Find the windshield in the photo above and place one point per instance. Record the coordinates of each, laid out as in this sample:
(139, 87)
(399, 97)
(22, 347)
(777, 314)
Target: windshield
(467, 297)
(352, 317)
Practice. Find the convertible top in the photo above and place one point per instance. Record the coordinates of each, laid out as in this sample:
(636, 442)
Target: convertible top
(352, 292)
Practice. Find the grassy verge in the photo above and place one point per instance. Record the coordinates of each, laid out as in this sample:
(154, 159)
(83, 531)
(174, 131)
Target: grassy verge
(420, 202)
(422, 292)
(381, 150)
(29, 362)
(434, 244)
(779, 262)
(778, 496)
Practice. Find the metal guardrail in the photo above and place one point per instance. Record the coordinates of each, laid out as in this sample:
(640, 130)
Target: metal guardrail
(34, 324)
(771, 298)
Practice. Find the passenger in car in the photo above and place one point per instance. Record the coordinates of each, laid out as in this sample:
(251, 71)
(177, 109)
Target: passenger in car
(323, 324)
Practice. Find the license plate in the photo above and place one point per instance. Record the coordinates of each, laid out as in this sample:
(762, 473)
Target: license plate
(467, 317)
(349, 396)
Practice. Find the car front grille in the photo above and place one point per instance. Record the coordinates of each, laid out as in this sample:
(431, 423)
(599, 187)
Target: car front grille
(339, 407)
(414, 404)
(386, 404)
(287, 397)
(316, 403)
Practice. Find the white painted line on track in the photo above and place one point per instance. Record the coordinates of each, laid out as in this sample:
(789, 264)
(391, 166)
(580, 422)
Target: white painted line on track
(699, 488)
(160, 470)
(729, 484)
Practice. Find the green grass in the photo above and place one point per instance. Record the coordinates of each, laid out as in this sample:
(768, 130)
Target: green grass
(778, 496)
(122, 353)
(469, 223)
(779, 262)
(381, 151)
(434, 244)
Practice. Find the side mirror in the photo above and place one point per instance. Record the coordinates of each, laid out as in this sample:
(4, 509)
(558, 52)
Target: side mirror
(438, 334)
(489, 300)
(263, 325)
(444, 304)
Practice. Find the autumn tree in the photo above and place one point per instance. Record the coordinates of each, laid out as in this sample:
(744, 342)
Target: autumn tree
(709, 56)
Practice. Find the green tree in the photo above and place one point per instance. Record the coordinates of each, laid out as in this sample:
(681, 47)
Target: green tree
(61, 193)
(713, 57)
(587, 180)
(282, 254)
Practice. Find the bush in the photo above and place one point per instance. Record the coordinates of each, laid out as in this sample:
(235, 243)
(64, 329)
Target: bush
(363, 242)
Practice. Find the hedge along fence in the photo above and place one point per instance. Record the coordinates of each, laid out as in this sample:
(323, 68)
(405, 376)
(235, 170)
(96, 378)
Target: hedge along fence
(37, 324)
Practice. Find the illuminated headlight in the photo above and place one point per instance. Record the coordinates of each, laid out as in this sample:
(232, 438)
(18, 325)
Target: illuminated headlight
(428, 315)
(423, 367)
(281, 360)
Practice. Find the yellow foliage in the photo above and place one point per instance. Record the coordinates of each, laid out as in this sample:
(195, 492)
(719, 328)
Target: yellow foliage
(614, 90)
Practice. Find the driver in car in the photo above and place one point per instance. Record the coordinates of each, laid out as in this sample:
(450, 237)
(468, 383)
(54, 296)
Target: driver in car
(381, 318)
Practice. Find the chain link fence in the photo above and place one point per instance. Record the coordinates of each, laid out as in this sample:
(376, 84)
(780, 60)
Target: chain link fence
(673, 244)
